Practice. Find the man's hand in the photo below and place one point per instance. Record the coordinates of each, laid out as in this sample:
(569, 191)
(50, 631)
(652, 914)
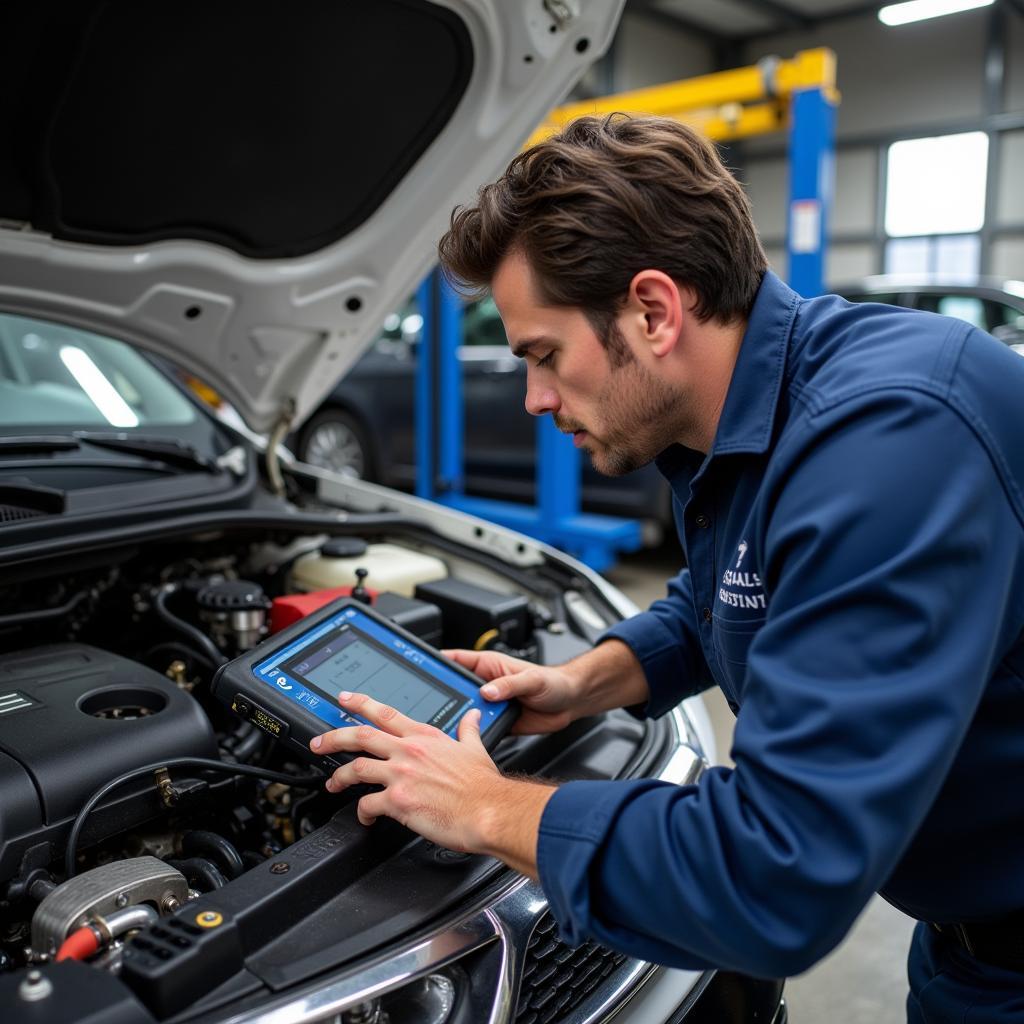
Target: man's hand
(552, 696)
(449, 791)
(548, 694)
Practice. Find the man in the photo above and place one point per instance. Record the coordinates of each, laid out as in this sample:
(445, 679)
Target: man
(849, 487)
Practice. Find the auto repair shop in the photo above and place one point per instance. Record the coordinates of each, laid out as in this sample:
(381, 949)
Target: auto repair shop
(283, 454)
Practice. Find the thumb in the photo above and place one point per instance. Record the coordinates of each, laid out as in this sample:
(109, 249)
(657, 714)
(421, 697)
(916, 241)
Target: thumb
(469, 728)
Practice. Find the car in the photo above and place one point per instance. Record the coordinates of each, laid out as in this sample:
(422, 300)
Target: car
(365, 426)
(244, 192)
(994, 304)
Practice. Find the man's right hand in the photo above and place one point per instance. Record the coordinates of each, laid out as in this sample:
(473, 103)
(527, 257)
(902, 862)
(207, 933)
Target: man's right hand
(547, 694)
(552, 696)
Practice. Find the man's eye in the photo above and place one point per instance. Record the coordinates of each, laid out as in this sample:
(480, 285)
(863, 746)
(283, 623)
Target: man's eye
(546, 361)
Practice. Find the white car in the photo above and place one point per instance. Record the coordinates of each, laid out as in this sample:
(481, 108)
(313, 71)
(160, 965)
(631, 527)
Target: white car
(244, 191)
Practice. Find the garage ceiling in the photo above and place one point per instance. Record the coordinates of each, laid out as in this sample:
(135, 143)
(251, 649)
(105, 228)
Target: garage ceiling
(720, 20)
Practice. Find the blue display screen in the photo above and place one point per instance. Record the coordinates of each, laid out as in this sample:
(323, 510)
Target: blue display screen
(351, 651)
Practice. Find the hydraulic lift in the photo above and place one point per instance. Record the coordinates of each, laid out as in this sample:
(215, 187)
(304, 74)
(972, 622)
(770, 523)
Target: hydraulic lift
(798, 95)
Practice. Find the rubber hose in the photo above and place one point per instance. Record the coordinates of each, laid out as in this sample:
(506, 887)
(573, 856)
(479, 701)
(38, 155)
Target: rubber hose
(160, 604)
(201, 870)
(79, 944)
(202, 842)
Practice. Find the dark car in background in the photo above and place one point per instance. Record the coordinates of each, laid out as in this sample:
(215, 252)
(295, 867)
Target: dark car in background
(994, 304)
(365, 427)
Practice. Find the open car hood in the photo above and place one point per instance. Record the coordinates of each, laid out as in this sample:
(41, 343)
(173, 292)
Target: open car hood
(248, 187)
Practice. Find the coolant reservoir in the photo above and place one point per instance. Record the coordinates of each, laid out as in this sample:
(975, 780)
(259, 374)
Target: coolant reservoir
(389, 567)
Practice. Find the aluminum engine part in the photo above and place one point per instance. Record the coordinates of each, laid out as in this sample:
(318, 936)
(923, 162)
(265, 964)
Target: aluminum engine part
(101, 891)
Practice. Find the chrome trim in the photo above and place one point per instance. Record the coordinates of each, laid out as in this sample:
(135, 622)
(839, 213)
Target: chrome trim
(500, 930)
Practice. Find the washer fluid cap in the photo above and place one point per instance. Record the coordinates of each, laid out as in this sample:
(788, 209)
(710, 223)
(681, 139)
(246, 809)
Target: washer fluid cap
(232, 596)
(344, 547)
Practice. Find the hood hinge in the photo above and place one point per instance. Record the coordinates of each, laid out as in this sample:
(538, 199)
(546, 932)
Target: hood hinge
(280, 430)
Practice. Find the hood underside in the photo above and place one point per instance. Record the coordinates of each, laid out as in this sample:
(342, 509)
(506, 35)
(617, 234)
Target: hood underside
(248, 188)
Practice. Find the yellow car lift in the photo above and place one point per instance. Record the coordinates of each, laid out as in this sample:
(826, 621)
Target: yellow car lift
(798, 95)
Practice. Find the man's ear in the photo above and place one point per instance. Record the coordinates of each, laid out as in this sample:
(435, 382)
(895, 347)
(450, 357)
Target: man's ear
(662, 308)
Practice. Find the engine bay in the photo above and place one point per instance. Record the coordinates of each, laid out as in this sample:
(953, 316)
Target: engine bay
(130, 793)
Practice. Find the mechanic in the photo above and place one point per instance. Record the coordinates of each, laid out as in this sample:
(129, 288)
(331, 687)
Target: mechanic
(849, 493)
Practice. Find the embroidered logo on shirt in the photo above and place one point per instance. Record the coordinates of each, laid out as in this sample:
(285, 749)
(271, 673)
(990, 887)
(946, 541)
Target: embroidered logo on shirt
(742, 589)
(742, 550)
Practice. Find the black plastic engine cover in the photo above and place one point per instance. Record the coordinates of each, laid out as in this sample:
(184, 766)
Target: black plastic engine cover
(73, 717)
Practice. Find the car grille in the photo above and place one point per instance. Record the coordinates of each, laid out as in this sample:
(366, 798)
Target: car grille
(557, 977)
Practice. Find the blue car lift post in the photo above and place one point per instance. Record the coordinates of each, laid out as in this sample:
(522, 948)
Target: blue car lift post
(726, 106)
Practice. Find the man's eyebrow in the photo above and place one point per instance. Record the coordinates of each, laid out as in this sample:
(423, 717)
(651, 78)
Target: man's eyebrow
(525, 346)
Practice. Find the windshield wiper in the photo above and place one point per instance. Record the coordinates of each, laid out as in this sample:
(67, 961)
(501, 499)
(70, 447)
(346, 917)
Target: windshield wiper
(174, 453)
(36, 444)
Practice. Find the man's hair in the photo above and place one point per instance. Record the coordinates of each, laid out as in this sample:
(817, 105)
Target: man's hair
(604, 199)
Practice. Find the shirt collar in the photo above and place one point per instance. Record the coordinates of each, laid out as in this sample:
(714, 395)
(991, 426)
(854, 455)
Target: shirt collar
(749, 411)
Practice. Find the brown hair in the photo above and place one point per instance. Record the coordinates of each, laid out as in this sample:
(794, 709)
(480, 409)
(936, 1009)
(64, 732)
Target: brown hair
(606, 198)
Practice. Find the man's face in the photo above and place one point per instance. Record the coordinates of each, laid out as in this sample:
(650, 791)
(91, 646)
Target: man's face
(621, 415)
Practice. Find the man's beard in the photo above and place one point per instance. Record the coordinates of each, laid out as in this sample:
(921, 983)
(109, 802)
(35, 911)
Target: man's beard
(640, 421)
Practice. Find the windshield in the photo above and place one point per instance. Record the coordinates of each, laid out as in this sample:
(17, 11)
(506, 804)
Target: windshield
(57, 376)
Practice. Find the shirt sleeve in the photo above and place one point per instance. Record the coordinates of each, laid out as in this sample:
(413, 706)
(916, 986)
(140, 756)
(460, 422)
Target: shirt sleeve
(890, 553)
(666, 642)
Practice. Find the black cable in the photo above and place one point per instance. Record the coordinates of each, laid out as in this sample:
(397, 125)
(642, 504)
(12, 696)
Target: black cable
(200, 842)
(301, 781)
(160, 604)
(39, 614)
(182, 650)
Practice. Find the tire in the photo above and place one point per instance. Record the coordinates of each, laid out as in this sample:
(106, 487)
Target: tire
(334, 439)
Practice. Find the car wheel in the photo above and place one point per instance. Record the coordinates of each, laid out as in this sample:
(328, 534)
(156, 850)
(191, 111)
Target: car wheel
(335, 440)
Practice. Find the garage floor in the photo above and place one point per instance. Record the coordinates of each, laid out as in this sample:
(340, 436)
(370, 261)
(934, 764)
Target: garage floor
(864, 980)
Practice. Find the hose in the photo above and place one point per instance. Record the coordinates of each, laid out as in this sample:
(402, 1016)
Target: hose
(172, 620)
(81, 943)
(201, 842)
(201, 870)
(299, 781)
(39, 614)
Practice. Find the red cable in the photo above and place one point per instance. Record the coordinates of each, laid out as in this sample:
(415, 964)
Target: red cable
(78, 945)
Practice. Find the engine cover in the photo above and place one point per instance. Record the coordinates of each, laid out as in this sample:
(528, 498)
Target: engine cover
(73, 717)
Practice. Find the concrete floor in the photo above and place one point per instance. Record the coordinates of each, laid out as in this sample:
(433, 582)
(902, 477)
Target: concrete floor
(864, 980)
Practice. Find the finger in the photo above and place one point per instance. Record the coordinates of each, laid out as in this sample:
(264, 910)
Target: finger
(381, 715)
(371, 807)
(469, 728)
(467, 659)
(354, 737)
(357, 772)
(529, 683)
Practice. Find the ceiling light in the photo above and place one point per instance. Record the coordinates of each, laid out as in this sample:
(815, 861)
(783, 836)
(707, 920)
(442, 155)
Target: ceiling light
(101, 392)
(918, 10)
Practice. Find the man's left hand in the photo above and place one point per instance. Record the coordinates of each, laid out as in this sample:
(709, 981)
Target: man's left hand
(449, 791)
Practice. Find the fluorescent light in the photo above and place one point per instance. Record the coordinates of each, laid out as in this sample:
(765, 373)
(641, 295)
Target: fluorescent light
(101, 392)
(919, 10)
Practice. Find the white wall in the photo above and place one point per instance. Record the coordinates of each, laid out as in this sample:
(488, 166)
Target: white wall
(648, 53)
(893, 80)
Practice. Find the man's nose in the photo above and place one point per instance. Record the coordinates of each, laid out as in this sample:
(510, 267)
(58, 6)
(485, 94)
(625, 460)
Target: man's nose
(541, 399)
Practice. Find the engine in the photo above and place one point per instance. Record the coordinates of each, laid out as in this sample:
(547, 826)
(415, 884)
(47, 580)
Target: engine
(126, 789)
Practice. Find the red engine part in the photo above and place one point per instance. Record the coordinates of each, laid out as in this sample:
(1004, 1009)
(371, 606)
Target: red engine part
(292, 607)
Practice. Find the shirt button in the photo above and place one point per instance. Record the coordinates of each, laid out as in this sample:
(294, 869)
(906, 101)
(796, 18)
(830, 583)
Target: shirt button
(707, 614)
(702, 520)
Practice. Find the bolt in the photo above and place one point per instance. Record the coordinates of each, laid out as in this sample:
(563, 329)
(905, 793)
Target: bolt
(122, 899)
(280, 867)
(35, 987)
(170, 903)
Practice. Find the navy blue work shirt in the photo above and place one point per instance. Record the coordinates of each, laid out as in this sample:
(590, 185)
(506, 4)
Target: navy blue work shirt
(856, 587)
